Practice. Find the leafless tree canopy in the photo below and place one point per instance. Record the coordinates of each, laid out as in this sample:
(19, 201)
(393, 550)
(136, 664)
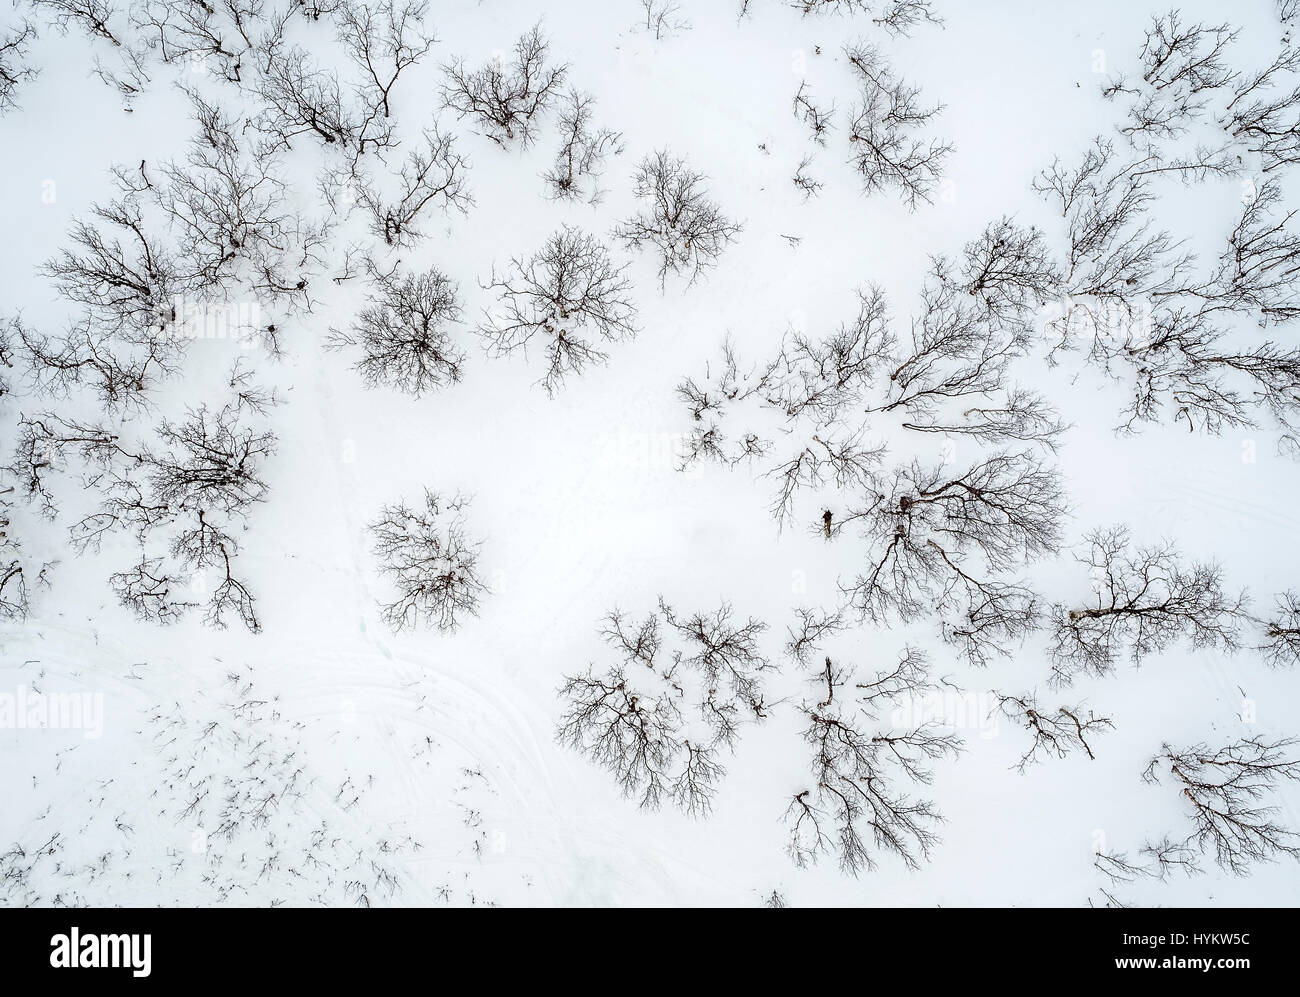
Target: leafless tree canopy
(1060, 733)
(508, 99)
(1189, 77)
(90, 16)
(1280, 632)
(583, 150)
(663, 18)
(20, 573)
(405, 333)
(15, 69)
(569, 299)
(679, 220)
(1226, 792)
(673, 702)
(1184, 333)
(855, 808)
(431, 562)
(940, 538)
(383, 40)
(887, 153)
(819, 121)
(181, 500)
(897, 17)
(432, 176)
(1144, 600)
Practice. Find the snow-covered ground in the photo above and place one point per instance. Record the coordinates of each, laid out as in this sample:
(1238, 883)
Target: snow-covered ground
(446, 741)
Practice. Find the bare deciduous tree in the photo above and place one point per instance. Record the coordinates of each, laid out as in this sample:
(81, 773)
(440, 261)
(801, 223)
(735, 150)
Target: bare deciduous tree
(1115, 256)
(1281, 632)
(432, 562)
(1182, 65)
(659, 718)
(15, 70)
(902, 17)
(1009, 268)
(807, 184)
(939, 537)
(19, 575)
(819, 122)
(686, 228)
(854, 809)
(663, 18)
(404, 333)
(581, 159)
(1058, 733)
(886, 152)
(300, 98)
(208, 35)
(897, 17)
(1145, 599)
(179, 499)
(141, 276)
(1224, 789)
(571, 296)
(1265, 118)
(90, 16)
(953, 355)
(507, 99)
(432, 175)
(384, 40)
(811, 631)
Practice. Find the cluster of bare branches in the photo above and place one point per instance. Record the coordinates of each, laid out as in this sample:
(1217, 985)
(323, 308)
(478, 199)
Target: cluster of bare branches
(432, 175)
(404, 332)
(508, 99)
(19, 574)
(887, 152)
(355, 118)
(675, 699)
(1138, 307)
(897, 17)
(821, 381)
(945, 540)
(1060, 733)
(939, 538)
(1188, 80)
(571, 296)
(1182, 67)
(1224, 790)
(15, 67)
(431, 561)
(1281, 632)
(254, 817)
(854, 808)
(686, 229)
(583, 149)
(203, 37)
(663, 18)
(89, 16)
(1144, 600)
(181, 499)
(1156, 860)
(819, 121)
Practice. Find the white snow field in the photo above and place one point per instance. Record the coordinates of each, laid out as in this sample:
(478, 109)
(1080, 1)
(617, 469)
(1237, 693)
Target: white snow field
(330, 760)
